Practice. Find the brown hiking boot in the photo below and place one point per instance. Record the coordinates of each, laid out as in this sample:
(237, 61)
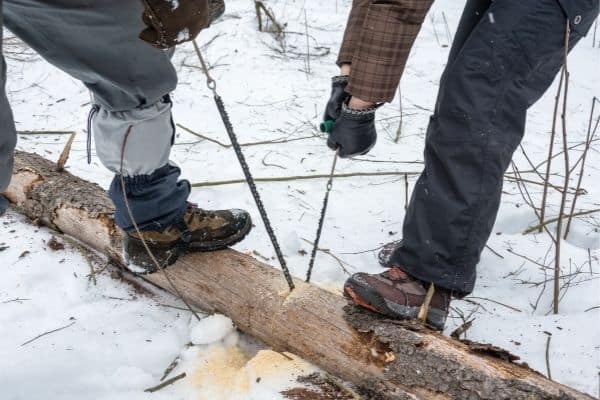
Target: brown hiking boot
(200, 230)
(396, 294)
(216, 9)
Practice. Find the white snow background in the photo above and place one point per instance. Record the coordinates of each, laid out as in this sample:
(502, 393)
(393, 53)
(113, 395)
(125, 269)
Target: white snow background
(120, 342)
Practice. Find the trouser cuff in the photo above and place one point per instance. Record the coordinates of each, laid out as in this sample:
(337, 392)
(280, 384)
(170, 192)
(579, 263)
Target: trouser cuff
(155, 201)
(459, 279)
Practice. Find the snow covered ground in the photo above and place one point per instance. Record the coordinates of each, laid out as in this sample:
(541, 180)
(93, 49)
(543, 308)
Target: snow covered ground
(117, 342)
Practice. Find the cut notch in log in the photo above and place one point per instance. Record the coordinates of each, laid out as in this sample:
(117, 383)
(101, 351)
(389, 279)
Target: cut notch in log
(388, 359)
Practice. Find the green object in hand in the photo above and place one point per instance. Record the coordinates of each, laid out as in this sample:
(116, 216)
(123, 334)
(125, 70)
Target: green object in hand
(327, 126)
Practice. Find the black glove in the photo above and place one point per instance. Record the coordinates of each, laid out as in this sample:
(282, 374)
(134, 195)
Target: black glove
(338, 97)
(353, 132)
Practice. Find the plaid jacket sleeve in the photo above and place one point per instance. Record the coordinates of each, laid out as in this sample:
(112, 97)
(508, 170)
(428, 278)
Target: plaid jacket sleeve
(377, 41)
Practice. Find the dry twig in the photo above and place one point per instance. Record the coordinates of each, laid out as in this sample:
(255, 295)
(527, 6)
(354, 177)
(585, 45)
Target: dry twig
(41, 133)
(399, 130)
(329, 253)
(249, 144)
(278, 29)
(549, 337)
(48, 333)
(15, 300)
(171, 366)
(405, 192)
(567, 175)
(555, 219)
(550, 151)
(302, 177)
(424, 311)
(64, 156)
(495, 302)
(588, 142)
(166, 383)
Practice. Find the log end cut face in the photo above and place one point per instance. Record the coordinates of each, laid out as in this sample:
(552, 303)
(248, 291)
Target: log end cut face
(21, 184)
(63, 202)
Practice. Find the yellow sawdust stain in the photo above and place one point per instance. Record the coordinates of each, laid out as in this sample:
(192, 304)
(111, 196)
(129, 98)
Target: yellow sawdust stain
(298, 294)
(331, 287)
(225, 373)
(269, 364)
(220, 372)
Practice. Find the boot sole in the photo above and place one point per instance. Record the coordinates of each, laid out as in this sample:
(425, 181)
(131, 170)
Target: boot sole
(167, 255)
(372, 300)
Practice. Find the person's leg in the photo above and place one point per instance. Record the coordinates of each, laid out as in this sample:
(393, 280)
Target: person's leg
(472, 13)
(507, 62)
(97, 42)
(8, 134)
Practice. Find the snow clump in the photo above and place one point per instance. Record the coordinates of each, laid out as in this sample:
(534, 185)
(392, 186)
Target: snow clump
(211, 329)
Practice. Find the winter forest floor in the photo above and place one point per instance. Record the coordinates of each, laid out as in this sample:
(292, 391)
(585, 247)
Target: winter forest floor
(118, 342)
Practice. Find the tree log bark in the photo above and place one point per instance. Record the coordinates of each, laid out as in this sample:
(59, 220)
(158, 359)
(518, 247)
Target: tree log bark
(386, 359)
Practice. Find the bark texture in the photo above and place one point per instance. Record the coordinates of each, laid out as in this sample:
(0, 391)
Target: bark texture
(386, 359)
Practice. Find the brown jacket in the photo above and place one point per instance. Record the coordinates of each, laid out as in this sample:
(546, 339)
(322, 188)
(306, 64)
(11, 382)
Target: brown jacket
(378, 39)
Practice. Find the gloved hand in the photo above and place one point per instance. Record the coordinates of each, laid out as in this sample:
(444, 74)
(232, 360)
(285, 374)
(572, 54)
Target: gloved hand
(334, 105)
(173, 22)
(353, 132)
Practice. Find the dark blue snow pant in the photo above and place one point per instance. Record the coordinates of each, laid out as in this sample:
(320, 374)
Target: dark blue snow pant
(97, 42)
(505, 56)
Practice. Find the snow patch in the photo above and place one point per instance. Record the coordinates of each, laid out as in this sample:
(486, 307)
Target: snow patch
(292, 243)
(184, 35)
(211, 329)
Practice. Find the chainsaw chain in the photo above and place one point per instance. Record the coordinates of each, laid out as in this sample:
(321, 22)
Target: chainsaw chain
(250, 180)
(313, 254)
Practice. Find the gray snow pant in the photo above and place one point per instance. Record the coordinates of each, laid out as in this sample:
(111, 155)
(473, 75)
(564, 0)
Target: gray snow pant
(505, 56)
(96, 41)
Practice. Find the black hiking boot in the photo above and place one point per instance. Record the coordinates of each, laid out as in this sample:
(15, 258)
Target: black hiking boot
(216, 9)
(396, 294)
(200, 230)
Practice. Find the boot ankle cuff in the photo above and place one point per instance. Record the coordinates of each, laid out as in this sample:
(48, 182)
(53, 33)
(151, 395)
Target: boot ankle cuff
(340, 79)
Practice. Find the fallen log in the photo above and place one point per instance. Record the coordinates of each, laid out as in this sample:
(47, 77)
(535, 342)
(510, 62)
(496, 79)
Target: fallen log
(384, 358)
